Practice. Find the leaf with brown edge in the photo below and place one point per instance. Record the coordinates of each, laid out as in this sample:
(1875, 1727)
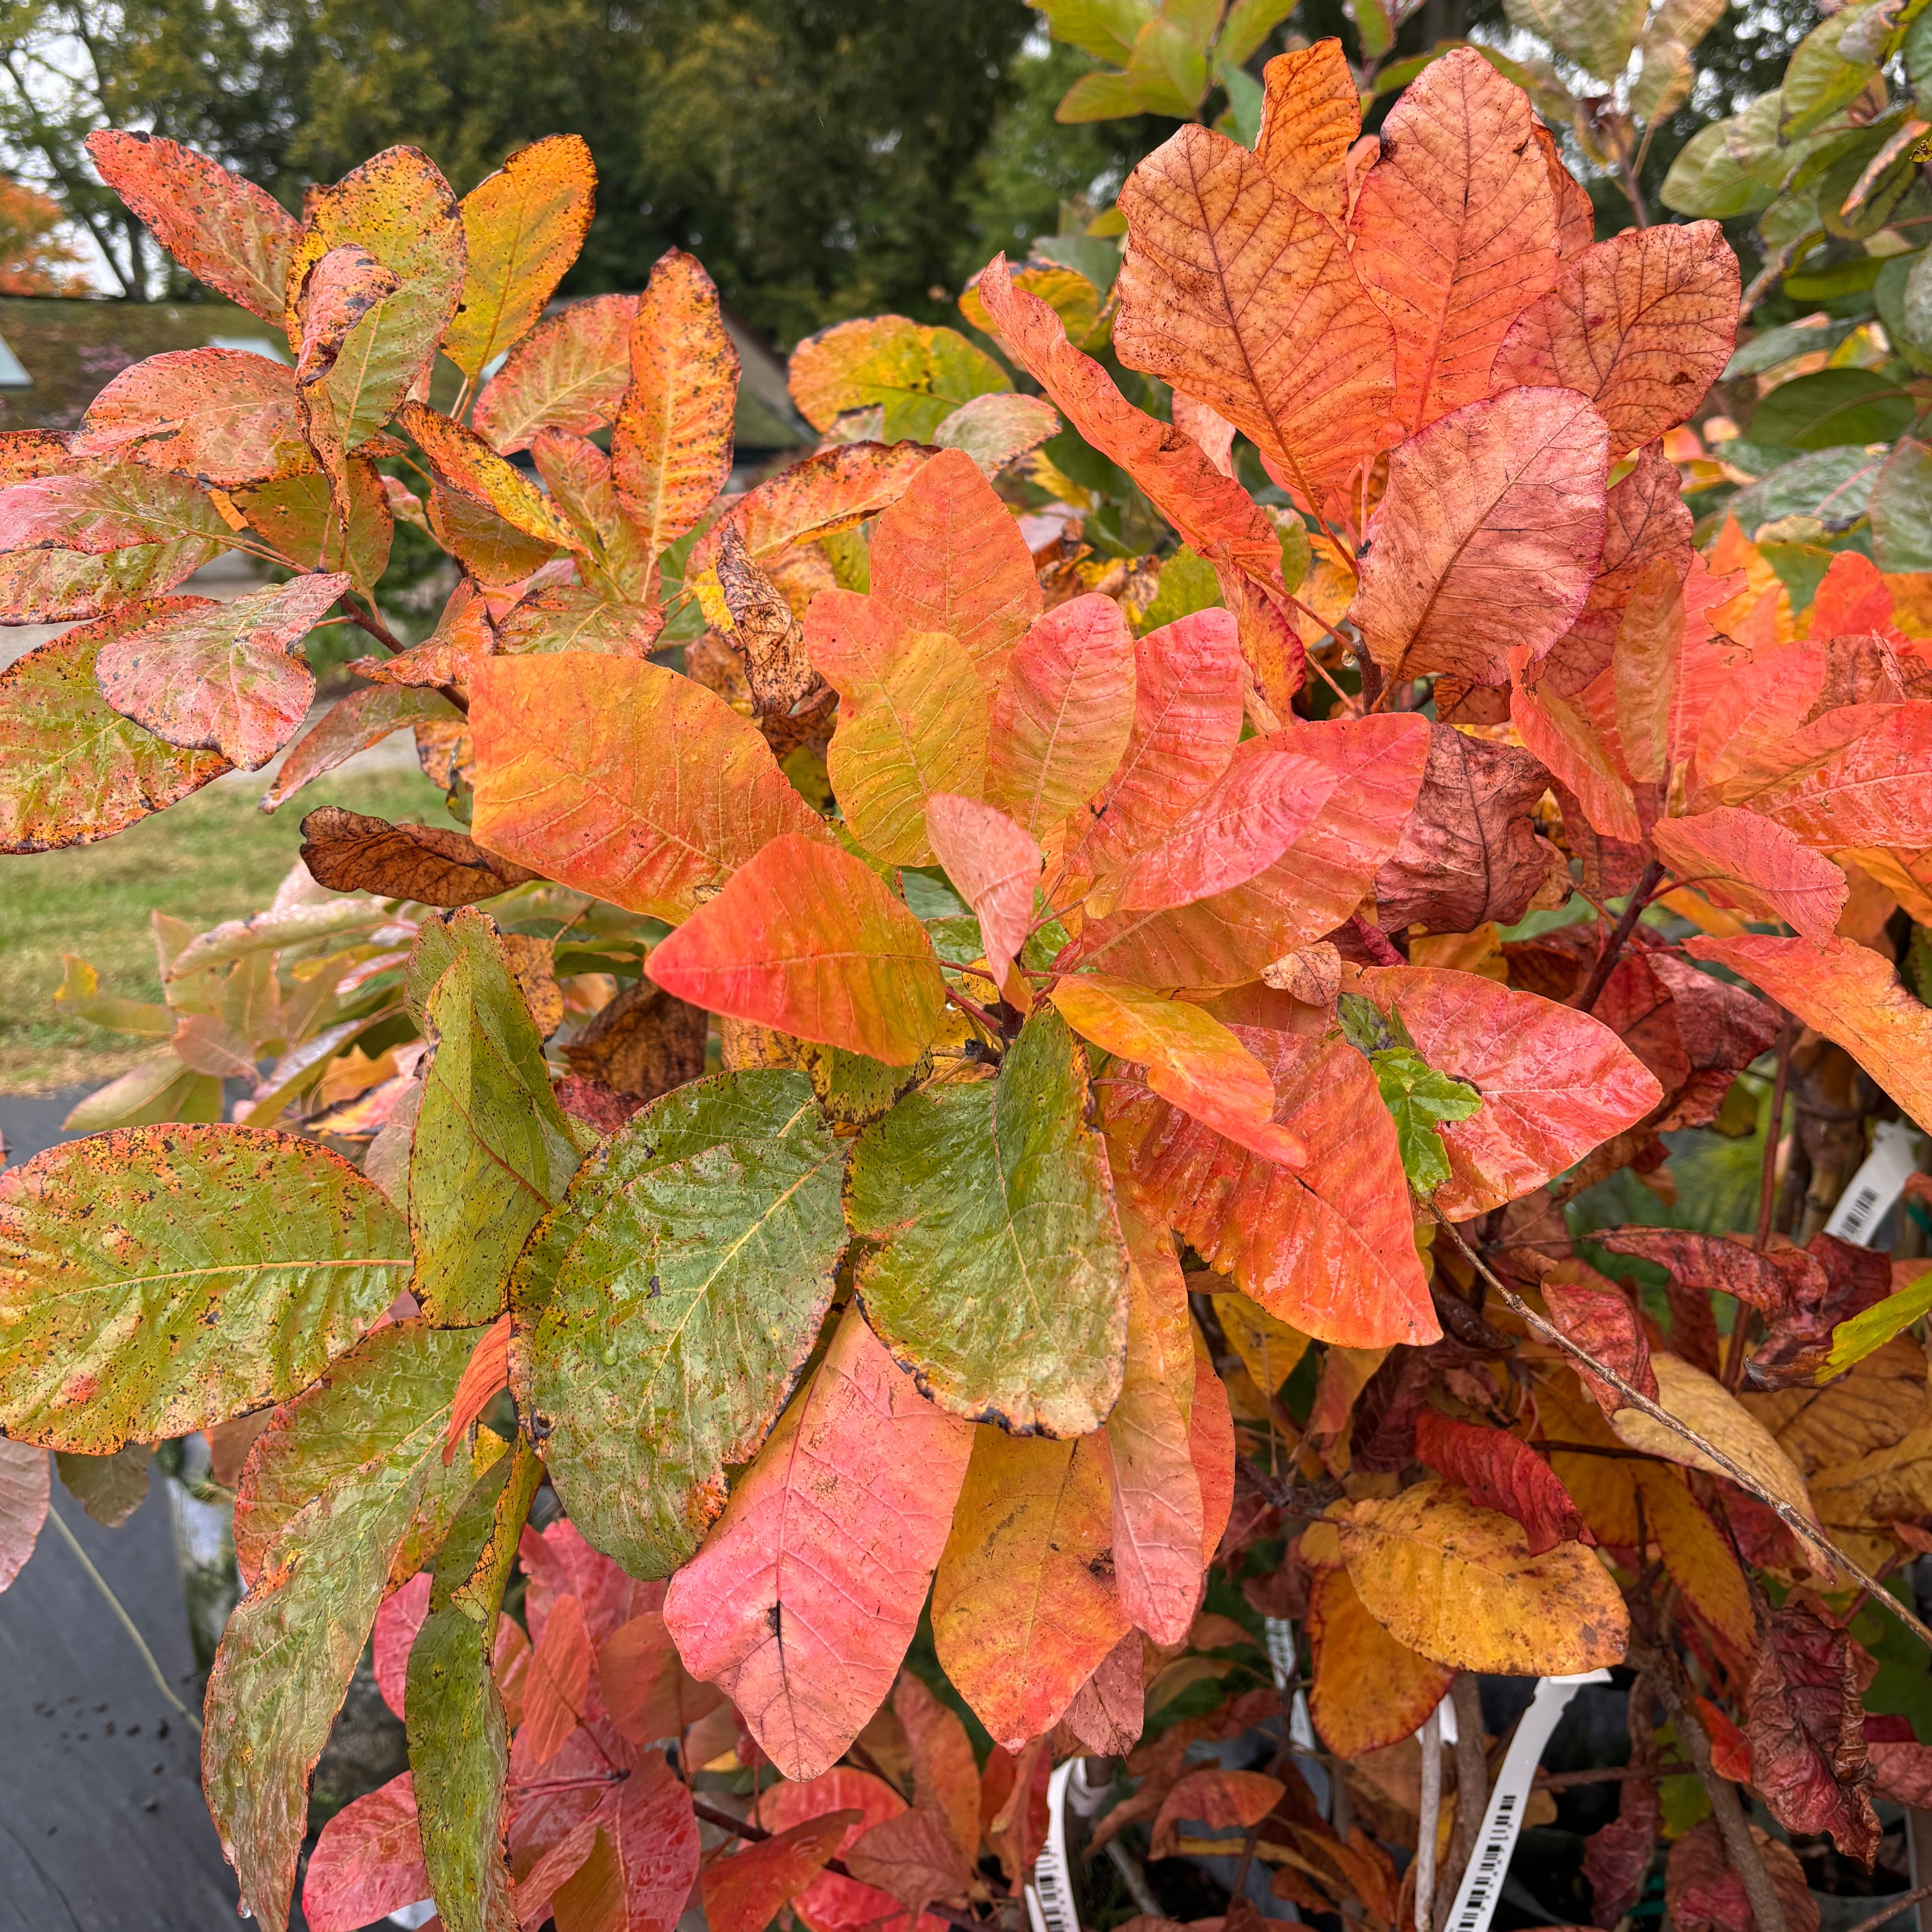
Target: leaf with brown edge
(1311, 116)
(1245, 297)
(832, 490)
(1807, 1732)
(1470, 851)
(1192, 1061)
(367, 1862)
(945, 1772)
(349, 852)
(1743, 859)
(1215, 1797)
(620, 778)
(338, 292)
(670, 446)
(1507, 492)
(1642, 324)
(449, 654)
(522, 228)
(1212, 513)
(1024, 1607)
(1554, 1082)
(301, 518)
(1369, 1690)
(996, 867)
(949, 556)
(352, 725)
(569, 373)
(806, 938)
(225, 231)
(1599, 1318)
(743, 1892)
(57, 587)
(574, 617)
(220, 415)
(1458, 1584)
(220, 677)
(912, 721)
(1329, 1247)
(1064, 712)
(802, 1601)
(398, 208)
(832, 1902)
(106, 508)
(73, 770)
(462, 461)
(1455, 231)
(1850, 994)
(1501, 1472)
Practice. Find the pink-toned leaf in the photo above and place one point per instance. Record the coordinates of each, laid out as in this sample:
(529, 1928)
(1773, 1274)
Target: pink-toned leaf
(24, 1471)
(996, 867)
(1487, 537)
(352, 725)
(1554, 1082)
(1212, 430)
(221, 676)
(911, 1857)
(102, 508)
(219, 415)
(647, 1691)
(402, 1614)
(1741, 859)
(831, 1903)
(486, 1375)
(1218, 1798)
(569, 373)
(1600, 1321)
(1501, 1472)
(801, 1602)
(1877, 791)
(558, 1677)
(368, 1861)
(1329, 1248)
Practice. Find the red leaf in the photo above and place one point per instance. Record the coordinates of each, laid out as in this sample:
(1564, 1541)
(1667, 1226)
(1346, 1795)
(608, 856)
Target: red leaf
(1730, 1750)
(743, 1892)
(1901, 1770)
(1743, 859)
(554, 1685)
(1329, 1248)
(404, 1612)
(996, 867)
(1617, 1856)
(1807, 1732)
(1215, 1797)
(1600, 1322)
(831, 1903)
(368, 1861)
(1877, 791)
(487, 1373)
(560, 1563)
(1210, 1444)
(802, 1601)
(1555, 1083)
(647, 1691)
(1503, 1473)
(806, 938)
(1703, 1894)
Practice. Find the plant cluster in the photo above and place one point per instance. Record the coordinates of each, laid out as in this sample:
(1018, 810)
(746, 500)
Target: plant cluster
(1134, 1160)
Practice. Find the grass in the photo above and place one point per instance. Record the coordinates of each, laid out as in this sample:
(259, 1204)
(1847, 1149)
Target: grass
(215, 856)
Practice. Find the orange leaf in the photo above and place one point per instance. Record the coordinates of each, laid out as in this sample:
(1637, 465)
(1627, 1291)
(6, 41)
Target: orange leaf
(487, 1373)
(1555, 1083)
(1192, 1061)
(913, 1857)
(1214, 514)
(670, 447)
(586, 771)
(945, 1774)
(1740, 859)
(1024, 1608)
(220, 414)
(225, 231)
(462, 460)
(1214, 1797)
(645, 1688)
(949, 557)
(1369, 1690)
(742, 1893)
(522, 228)
(1850, 994)
(1877, 791)
(803, 1600)
(1699, 1557)
(1210, 1443)
(1455, 230)
(1576, 217)
(558, 1677)
(352, 725)
(833, 490)
(1064, 713)
(1311, 116)
(806, 938)
(1158, 1566)
(1507, 491)
(996, 868)
(1642, 324)
(1246, 298)
(1328, 1248)
(570, 373)
(831, 1903)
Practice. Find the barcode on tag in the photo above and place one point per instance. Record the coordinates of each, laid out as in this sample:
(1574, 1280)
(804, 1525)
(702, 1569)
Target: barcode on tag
(1049, 1896)
(1855, 1214)
(1492, 1857)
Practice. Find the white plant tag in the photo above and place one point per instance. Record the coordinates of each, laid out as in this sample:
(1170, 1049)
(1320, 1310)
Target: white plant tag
(1881, 1178)
(1049, 1893)
(1287, 1668)
(1482, 1884)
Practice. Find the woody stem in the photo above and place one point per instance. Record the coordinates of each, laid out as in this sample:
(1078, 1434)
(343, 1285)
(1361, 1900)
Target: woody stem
(1606, 960)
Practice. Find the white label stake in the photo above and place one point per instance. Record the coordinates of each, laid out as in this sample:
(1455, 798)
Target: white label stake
(1049, 1895)
(1881, 1178)
(1482, 1884)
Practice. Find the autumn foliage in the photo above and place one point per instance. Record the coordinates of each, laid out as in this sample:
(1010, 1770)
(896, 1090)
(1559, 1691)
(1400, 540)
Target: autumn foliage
(960, 1036)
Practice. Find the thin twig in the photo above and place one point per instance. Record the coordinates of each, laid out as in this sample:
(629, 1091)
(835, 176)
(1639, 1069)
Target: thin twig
(369, 622)
(1568, 1780)
(1807, 1531)
(1892, 1907)
(1774, 1132)
(1430, 1821)
(1606, 960)
(127, 1622)
(1472, 1789)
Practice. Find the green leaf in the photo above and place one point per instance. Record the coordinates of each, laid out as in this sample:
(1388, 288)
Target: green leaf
(492, 1152)
(1241, 121)
(157, 1087)
(154, 1280)
(1836, 280)
(344, 1495)
(1818, 80)
(1705, 181)
(1364, 1025)
(1833, 485)
(1104, 29)
(1908, 329)
(1901, 508)
(1417, 1097)
(1187, 583)
(1863, 1334)
(670, 1302)
(999, 1278)
(109, 1488)
(1248, 23)
(1766, 350)
(459, 1736)
(1833, 407)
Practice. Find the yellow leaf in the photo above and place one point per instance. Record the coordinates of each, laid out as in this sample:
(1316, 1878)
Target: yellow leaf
(1370, 1690)
(1269, 1349)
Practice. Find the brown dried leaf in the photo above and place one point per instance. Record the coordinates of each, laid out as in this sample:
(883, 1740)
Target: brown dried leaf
(350, 853)
(642, 1044)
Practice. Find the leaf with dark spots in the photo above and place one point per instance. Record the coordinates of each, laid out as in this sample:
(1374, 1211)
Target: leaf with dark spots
(1469, 852)
(643, 1043)
(349, 852)
(154, 1280)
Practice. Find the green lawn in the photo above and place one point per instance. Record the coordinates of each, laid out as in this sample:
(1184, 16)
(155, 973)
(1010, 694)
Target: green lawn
(215, 856)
